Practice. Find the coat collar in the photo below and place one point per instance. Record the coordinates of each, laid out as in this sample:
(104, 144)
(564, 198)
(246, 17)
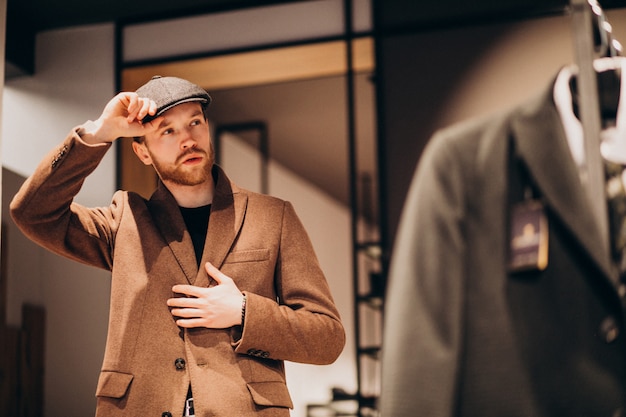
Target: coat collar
(540, 141)
(227, 213)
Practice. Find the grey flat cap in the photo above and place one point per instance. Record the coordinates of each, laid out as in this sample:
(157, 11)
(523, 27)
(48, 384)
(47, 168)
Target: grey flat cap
(168, 92)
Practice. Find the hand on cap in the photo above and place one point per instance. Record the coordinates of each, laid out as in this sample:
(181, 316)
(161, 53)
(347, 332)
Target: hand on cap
(122, 117)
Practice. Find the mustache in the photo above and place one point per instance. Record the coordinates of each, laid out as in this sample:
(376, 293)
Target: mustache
(190, 152)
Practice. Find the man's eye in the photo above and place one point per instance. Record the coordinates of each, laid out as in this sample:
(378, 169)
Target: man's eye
(167, 132)
(195, 122)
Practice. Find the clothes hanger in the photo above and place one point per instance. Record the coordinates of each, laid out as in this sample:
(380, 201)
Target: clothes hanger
(609, 77)
(591, 41)
(607, 69)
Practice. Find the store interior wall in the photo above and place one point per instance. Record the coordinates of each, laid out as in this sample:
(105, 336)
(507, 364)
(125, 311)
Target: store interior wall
(433, 79)
(70, 86)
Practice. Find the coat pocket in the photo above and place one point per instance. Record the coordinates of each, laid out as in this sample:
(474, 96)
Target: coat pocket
(270, 394)
(113, 384)
(252, 255)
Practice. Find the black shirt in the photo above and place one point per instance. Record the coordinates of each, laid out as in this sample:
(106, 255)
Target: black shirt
(197, 222)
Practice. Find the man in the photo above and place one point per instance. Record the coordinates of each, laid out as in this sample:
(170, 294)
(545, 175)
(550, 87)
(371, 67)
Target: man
(213, 286)
(502, 299)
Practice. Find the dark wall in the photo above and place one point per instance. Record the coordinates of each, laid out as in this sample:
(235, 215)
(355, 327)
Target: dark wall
(419, 65)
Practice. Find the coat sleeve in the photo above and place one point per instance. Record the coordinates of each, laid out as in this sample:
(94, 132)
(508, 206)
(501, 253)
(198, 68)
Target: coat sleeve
(44, 210)
(303, 324)
(424, 304)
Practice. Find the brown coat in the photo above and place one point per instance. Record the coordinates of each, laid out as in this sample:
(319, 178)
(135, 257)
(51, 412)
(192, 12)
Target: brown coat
(255, 239)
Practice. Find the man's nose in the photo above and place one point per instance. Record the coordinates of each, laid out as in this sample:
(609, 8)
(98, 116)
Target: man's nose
(187, 140)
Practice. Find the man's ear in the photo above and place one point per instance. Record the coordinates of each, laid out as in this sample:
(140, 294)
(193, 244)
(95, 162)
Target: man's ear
(142, 153)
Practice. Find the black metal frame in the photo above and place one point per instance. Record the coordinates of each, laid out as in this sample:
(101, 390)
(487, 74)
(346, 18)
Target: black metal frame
(263, 145)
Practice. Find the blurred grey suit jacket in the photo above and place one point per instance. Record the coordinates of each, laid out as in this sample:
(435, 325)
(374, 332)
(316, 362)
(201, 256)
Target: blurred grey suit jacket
(466, 337)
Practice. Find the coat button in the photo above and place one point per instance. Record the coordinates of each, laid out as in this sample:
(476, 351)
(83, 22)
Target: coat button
(609, 330)
(166, 414)
(179, 363)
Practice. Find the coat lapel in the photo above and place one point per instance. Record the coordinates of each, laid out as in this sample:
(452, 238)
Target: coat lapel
(541, 143)
(169, 221)
(227, 213)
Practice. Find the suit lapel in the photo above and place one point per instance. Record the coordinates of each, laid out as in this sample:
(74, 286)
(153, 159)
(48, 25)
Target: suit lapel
(227, 213)
(541, 143)
(169, 221)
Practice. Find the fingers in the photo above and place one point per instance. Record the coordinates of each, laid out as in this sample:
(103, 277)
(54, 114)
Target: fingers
(188, 290)
(215, 307)
(123, 116)
(216, 274)
(188, 316)
(131, 106)
(194, 291)
(190, 323)
(139, 107)
(186, 313)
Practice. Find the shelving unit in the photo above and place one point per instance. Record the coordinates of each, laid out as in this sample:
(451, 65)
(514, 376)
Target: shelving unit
(368, 266)
(369, 289)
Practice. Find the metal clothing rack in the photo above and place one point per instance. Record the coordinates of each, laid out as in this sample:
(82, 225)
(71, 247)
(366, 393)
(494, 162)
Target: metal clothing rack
(592, 39)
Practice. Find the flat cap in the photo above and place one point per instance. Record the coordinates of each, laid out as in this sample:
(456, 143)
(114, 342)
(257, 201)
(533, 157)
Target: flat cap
(168, 92)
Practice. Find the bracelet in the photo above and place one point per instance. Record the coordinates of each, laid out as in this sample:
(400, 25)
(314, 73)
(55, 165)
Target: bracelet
(243, 309)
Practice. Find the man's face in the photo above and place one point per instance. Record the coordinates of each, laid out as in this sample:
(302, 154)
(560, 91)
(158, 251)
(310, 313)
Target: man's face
(180, 148)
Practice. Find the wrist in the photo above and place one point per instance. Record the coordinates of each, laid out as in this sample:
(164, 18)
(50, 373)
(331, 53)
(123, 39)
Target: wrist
(89, 132)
